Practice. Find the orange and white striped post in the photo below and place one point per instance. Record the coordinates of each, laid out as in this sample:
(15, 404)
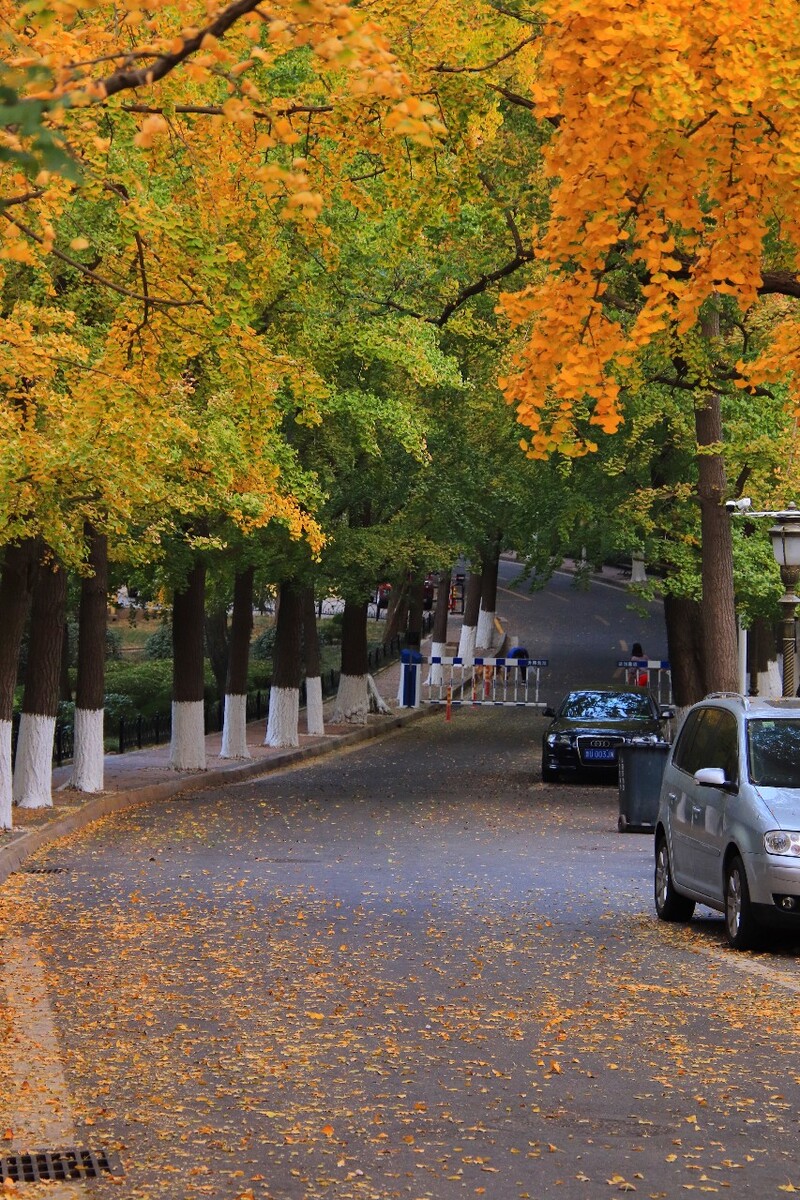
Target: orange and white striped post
(448, 708)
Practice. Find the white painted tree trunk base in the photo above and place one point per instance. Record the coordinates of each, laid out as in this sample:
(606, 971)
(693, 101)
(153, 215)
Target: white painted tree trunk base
(284, 713)
(6, 793)
(770, 682)
(89, 762)
(638, 571)
(33, 768)
(315, 721)
(352, 701)
(234, 728)
(377, 704)
(436, 674)
(485, 632)
(466, 644)
(187, 749)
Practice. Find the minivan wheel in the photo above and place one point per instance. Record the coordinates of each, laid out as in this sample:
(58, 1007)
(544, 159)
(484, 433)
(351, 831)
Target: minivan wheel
(670, 905)
(740, 924)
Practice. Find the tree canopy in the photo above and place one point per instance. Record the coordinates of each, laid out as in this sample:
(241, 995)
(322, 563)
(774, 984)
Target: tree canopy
(251, 263)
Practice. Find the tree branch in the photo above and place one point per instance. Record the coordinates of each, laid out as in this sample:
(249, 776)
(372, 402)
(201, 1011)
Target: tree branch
(24, 199)
(215, 110)
(685, 385)
(154, 301)
(482, 284)
(773, 283)
(126, 78)
(443, 69)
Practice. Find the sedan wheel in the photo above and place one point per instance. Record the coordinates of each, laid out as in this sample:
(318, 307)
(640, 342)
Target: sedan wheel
(670, 905)
(740, 924)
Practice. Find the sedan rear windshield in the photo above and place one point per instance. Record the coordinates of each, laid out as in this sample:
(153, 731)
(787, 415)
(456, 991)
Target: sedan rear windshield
(607, 706)
(774, 752)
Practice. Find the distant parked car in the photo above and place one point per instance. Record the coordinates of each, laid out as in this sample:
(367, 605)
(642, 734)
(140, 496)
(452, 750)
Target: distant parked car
(728, 827)
(590, 726)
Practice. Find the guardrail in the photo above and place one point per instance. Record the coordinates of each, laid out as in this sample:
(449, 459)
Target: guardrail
(505, 681)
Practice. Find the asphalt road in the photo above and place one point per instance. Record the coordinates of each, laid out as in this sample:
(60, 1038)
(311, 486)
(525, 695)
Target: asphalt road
(583, 633)
(411, 971)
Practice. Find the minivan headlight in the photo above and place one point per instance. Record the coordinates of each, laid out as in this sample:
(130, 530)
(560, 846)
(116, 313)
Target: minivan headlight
(782, 841)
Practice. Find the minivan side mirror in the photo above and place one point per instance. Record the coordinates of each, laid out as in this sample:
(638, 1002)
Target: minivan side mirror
(666, 714)
(714, 777)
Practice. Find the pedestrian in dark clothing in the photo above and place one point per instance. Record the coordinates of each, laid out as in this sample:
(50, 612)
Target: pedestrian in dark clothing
(519, 652)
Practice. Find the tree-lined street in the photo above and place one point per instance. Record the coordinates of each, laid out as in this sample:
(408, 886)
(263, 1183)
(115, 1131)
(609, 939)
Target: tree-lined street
(412, 970)
(320, 300)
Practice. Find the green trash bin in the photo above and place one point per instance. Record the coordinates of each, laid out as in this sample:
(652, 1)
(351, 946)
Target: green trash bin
(641, 769)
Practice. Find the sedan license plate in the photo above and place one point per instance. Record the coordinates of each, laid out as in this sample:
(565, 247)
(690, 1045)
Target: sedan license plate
(599, 754)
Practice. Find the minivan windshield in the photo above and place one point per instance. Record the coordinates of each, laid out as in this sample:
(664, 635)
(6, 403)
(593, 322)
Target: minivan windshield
(773, 748)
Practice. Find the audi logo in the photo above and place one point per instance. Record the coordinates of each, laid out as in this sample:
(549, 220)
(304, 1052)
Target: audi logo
(601, 743)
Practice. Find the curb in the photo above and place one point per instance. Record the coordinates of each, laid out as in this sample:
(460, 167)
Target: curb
(15, 853)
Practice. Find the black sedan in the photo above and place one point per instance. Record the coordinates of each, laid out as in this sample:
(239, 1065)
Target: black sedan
(589, 728)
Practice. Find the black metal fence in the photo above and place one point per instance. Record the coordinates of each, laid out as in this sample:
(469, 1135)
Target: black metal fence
(136, 732)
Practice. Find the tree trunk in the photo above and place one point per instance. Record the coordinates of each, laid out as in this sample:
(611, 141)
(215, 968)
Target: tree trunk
(683, 618)
(33, 769)
(315, 723)
(64, 688)
(720, 653)
(87, 770)
(416, 608)
(352, 699)
(234, 728)
(16, 587)
(218, 644)
(397, 612)
(469, 623)
(188, 744)
(284, 695)
(490, 563)
(439, 632)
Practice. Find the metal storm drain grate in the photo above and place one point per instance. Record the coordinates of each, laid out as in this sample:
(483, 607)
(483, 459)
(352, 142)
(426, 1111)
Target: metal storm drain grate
(44, 870)
(50, 1166)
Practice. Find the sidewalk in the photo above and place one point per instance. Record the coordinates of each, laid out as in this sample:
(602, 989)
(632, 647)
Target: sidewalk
(142, 776)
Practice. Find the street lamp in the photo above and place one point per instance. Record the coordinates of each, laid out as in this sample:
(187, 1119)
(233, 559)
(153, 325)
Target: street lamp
(786, 548)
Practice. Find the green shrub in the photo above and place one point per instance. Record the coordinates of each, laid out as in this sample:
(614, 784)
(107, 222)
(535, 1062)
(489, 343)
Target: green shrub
(117, 706)
(146, 685)
(259, 677)
(113, 645)
(329, 631)
(263, 647)
(159, 644)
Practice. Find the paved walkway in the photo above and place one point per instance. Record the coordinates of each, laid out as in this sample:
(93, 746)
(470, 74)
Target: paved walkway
(141, 776)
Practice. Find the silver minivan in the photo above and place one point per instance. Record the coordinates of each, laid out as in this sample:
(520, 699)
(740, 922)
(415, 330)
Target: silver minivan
(728, 828)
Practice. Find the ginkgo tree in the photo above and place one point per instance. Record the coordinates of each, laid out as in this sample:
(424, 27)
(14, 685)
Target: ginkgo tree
(672, 216)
